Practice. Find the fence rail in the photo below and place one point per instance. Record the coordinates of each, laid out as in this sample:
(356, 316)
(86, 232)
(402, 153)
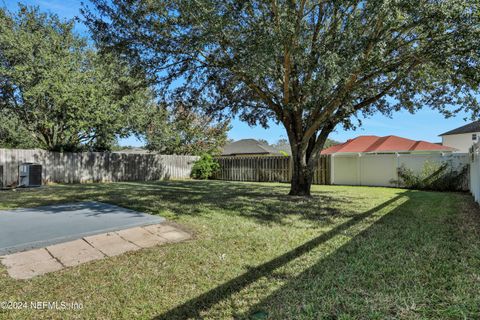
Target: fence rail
(94, 166)
(267, 169)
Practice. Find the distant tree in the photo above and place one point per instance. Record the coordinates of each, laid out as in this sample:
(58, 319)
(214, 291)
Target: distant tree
(117, 147)
(329, 143)
(263, 141)
(179, 129)
(284, 145)
(308, 64)
(60, 93)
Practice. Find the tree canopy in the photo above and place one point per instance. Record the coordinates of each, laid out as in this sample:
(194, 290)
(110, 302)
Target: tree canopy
(178, 129)
(308, 64)
(13, 133)
(56, 91)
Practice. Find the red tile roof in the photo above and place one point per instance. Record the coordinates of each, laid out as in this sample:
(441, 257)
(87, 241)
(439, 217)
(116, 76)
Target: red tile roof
(384, 144)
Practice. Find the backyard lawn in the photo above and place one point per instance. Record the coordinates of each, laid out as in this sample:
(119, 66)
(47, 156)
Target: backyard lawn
(347, 253)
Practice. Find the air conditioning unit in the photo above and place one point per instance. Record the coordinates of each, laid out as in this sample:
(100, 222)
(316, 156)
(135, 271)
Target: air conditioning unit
(29, 175)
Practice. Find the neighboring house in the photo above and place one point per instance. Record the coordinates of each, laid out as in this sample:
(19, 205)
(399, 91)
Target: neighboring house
(375, 161)
(388, 144)
(462, 138)
(249, 147)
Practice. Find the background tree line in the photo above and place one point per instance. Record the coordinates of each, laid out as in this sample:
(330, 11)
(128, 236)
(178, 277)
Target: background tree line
(60, 93)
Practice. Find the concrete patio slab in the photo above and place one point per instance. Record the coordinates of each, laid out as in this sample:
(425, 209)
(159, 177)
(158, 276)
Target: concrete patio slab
(25, 258)
(75, 252)
(141, 237)
(25, 265)
(29, 228)
(28, 264)
(111, 244)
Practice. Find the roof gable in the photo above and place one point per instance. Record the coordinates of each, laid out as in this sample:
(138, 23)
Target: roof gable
(384, 144)
(468, 128)
(249, 146)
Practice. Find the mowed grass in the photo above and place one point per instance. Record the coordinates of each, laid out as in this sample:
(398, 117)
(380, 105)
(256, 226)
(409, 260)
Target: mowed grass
(347, 253)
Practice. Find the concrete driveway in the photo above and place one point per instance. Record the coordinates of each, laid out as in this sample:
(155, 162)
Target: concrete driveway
(29, 228)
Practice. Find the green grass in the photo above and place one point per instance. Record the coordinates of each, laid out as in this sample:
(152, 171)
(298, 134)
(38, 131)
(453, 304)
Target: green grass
(347, 253)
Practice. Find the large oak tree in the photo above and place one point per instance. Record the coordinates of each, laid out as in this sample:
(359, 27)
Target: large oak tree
(308, 64)
(59, 93)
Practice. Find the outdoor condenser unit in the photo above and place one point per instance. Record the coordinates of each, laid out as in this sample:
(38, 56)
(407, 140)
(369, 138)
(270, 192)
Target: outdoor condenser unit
(29, 175)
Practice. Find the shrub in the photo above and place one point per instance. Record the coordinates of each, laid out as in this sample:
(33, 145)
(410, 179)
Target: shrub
(205, 167)
(434, 176)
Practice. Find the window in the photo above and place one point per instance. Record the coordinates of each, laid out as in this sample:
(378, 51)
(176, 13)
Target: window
(474, 137)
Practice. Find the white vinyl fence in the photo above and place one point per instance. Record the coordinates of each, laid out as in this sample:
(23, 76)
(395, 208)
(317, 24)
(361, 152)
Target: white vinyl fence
(382, 169)
(94, 166)
(475, 171)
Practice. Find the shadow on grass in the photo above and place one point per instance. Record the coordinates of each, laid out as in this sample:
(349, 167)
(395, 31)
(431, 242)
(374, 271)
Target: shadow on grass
(194, 307)
(264, 203)
(414, 262)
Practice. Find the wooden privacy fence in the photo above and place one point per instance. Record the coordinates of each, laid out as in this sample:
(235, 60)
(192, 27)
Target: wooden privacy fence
(267, 169)
(94, 166)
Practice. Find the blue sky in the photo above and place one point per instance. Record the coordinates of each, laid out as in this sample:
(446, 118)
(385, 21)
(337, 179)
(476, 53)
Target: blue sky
(424, 125)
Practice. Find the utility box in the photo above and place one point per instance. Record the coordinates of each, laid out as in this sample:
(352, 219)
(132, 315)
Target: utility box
(29, 175)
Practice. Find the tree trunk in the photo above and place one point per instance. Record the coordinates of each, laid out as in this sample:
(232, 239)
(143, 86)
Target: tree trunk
(304, 155)
(302, 175)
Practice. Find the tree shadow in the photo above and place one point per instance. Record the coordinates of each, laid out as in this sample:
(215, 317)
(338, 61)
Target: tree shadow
(411, 263)
(193, 307)
(265, 203)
